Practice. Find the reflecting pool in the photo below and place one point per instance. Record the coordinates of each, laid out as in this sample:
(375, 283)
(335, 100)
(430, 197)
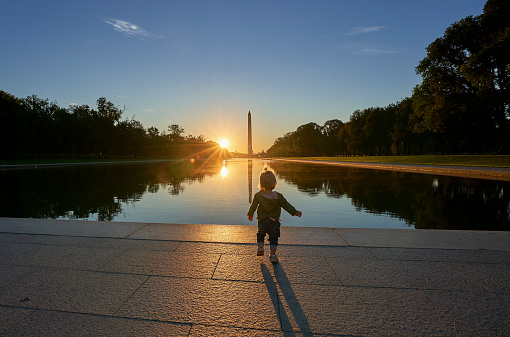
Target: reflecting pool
(221, 192)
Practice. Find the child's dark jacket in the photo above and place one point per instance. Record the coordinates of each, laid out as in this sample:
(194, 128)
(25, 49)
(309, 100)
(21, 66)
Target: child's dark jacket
(270, 208)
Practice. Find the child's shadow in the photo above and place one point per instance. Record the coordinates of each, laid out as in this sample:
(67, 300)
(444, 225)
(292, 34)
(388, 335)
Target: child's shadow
(290, 299)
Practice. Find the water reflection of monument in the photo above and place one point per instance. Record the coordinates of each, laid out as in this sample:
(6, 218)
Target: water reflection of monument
(250, 180)
(250, 164)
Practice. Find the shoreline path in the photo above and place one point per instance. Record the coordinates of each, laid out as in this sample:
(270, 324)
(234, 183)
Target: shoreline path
(492, 173)
(90, 278)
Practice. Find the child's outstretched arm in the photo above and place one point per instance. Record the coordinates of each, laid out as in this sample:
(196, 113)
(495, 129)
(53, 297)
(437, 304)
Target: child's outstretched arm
(253, 207)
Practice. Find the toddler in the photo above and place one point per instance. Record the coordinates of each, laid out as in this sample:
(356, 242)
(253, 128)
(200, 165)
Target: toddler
(269, 204)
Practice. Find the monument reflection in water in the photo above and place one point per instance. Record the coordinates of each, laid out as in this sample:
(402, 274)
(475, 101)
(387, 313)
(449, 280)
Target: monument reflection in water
(217, 193)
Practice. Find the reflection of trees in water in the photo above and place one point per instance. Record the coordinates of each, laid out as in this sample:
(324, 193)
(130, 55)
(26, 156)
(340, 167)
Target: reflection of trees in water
(422, 201)
(81, 191)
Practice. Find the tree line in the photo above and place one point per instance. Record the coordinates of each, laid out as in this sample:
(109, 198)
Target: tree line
(461, 106)
(32, 127)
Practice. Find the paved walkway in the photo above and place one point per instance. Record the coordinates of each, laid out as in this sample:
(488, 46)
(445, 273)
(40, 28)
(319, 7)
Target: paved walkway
(77, 278)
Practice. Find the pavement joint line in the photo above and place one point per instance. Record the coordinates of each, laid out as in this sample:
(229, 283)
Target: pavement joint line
(334, 271)
(216, 266)
(236, 327)
(129, 297)
(335, 231)
(113, 258)
(142, 227)
(374, 254)
(471, 280)
(96, 315)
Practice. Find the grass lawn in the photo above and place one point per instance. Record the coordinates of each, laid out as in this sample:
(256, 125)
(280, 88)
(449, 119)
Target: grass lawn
(457, 160)
(70, 161)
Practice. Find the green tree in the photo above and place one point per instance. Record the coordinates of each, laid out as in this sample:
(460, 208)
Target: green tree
(131, 137)
(356, 139)
(330, 131)
(82, 130)
(464, 96)
(12, 120)
(342, 137)
(106, 118)
(445, 98)
(377, 129)
(488, 67)
(308, 140)
(282, 146)
(175, 133)
(41, 128)
(152, 132)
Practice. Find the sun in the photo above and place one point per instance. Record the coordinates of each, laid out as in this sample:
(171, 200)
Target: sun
(224, 143)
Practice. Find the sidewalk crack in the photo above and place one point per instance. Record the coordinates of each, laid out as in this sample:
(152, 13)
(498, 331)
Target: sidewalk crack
(336, 232)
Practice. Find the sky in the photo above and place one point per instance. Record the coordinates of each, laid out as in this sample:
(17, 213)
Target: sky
(204, 64)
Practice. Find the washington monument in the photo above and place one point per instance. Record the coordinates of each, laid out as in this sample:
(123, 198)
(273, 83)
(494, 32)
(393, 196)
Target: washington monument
(250, 149)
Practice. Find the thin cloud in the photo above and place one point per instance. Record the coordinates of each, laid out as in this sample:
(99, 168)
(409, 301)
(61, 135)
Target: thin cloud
(364, 30)
(366, 49)
(373, 51)
(131, 29)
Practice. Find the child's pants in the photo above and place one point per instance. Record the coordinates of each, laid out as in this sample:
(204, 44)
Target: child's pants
(271, 227)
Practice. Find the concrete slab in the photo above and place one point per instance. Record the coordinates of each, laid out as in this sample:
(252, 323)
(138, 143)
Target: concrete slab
(48, 323)
(84, 258)
(10, 274)
(206, 331)
(445, 255)
(59, 278)
(10, 317)
(66, 227)
(237, 234)
(495, 277)
(295, 270)
(401, 274)
(206, 302)
(354, 311)
(71, 290)
(118, 243)
(481, 314)
(438, 239)
(313, 252)
(10, 237)
(163, 263)
(310, 236)
(245, 268)
(9, 250)
(200, 233)
(492, 256)
(425, 254)
(216, 248)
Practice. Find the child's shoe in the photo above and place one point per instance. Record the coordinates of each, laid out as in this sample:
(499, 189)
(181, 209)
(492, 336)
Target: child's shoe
(260, 251)
(273, 259)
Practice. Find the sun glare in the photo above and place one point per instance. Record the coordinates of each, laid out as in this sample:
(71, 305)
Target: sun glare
(223, 143)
